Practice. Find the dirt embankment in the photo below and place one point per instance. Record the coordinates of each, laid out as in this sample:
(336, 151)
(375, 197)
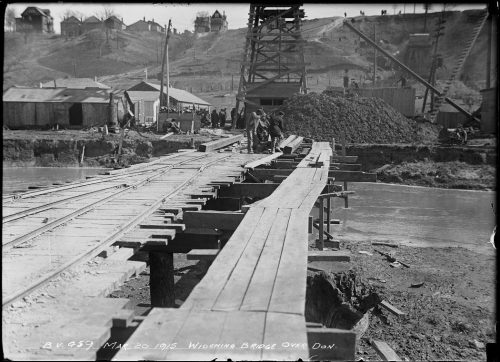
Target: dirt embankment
(64, 148)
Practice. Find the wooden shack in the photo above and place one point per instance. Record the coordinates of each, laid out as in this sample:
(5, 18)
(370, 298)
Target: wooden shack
(39, 107)
(401, 99)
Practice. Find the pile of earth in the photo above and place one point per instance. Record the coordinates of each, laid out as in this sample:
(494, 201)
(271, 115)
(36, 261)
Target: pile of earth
(364, 120)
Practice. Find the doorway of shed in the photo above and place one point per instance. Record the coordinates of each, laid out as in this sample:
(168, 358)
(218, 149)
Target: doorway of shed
(76, 114)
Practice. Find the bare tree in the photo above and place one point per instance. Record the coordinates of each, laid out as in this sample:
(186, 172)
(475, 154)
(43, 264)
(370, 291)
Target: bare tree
(69, 13)
(10, 19)
(202, 14)
(106, 12)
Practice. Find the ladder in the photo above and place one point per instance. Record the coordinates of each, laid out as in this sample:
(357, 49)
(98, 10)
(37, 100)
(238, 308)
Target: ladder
(458, 66)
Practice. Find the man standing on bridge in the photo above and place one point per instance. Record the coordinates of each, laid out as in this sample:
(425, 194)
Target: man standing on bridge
(252, 122)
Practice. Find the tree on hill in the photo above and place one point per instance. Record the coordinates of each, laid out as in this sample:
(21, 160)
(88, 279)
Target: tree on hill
(69, 13)
(202, 14)
(106, 12)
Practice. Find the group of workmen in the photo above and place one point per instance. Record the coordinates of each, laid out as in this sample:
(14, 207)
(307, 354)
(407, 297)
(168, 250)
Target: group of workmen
(260, 126)
(216, 119)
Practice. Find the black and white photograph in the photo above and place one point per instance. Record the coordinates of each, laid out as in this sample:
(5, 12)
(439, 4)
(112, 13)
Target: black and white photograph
(249, 181)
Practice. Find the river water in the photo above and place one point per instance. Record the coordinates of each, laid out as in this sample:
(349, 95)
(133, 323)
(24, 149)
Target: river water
(410, 215)
(20, 178)
(417, 216)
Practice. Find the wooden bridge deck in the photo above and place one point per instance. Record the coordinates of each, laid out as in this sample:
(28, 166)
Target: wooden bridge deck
(250, 304)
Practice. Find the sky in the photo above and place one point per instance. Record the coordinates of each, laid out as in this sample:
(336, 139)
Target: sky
(183, 14)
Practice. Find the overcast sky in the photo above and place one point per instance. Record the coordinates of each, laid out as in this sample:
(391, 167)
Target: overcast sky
(183, 14)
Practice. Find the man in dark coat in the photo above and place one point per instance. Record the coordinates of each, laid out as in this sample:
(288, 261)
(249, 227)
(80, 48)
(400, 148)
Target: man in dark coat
(215, 118)
(276, 130)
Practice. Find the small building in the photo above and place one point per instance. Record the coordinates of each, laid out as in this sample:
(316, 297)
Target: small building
(143, 25)
(146, 99)
(74, 83)
(114, 23)
(28, 107)
(91, 23)
(36, 20)
(202, 24)
(270, 96)
(71, 27)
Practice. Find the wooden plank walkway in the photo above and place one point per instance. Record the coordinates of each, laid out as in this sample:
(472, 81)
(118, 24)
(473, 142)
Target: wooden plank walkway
(250, 304)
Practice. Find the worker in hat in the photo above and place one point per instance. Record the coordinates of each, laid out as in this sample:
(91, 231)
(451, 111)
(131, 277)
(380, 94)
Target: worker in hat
(251, 124)
(276, 130)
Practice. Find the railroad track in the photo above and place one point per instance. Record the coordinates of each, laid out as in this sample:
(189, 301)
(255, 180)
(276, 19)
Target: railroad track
(48, 231)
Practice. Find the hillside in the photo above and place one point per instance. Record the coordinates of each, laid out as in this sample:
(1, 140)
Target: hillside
(209, 63)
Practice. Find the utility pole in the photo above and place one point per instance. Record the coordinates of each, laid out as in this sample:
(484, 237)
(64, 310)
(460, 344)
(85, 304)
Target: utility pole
(165, 58)
(488, 56)
(374, 57)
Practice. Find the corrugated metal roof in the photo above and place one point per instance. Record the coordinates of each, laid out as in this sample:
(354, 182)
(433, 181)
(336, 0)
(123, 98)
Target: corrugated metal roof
(76, 83)
(181, 95)
(143, 95)
(14, 94)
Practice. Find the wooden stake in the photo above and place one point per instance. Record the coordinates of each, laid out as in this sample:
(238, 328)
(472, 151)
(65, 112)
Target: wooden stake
(320, 243)
(83, 153)
(161, 279)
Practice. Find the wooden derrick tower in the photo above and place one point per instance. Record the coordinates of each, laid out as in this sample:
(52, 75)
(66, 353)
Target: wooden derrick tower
(273, 66)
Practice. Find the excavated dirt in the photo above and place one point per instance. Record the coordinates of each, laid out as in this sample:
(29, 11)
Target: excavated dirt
(364, 120)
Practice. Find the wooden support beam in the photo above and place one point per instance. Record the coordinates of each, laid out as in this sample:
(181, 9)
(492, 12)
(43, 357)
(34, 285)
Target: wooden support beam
(261, 190)
(222, 220)
(292, 146)
(331, 344)
(176, 227)
(353, 176)
(328, 255)
(161, 279)
(345, 166)
(223, 142)
(385, 352)
(268, 173)
(344, 159)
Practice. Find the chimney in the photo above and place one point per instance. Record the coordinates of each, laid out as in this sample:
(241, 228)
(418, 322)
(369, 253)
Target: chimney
(55, 85)
(144, 19)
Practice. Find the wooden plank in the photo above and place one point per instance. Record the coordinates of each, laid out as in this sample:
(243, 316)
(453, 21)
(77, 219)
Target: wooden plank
(223, 142)
(262, 161)
(268, 173)
(345, 159)
(206, 292)
(384, 351)
(286, 141)
(202, 254)
(386, 305)
(353, 176)
(242, 329)
(260, 287)
(328, 255)
(254, 271)
(160, 326)
(289, 335)
(223, 220)
(158, 226)
(292, 146)
(345, 166)
(289, 293)
(331, 344)
(249, 189)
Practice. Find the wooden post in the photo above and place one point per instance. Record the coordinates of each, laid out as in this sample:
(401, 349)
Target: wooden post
(374, 57)
(161, 279)
(488, 53)
(83, 154)
(346, 201)
(165, 58)
(320, 244)
(333, 145)
(328, 215)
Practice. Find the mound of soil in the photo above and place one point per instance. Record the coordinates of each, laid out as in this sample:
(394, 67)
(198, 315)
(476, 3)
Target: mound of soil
(364, 120)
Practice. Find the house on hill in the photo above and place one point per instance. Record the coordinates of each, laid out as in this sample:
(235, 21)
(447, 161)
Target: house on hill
(71, 27)
(91, 23)
(74, 83)
(143, 25)
(114, 23)
(28, 107)
(218, 22)
(36, 20)
(214, 23)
